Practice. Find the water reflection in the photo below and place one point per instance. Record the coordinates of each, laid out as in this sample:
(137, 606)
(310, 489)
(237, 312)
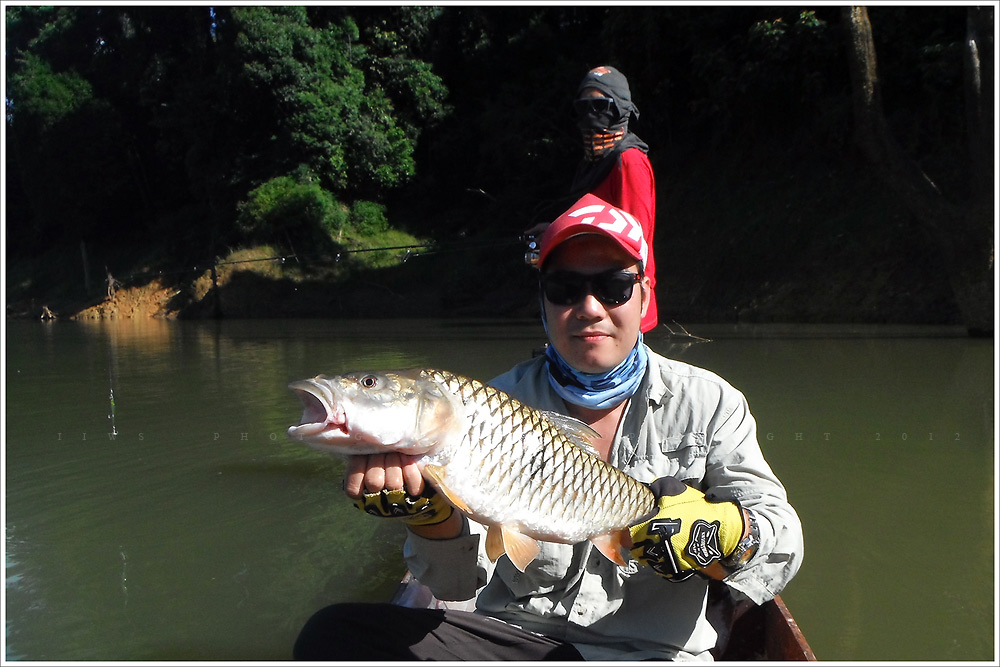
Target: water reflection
(189, 527)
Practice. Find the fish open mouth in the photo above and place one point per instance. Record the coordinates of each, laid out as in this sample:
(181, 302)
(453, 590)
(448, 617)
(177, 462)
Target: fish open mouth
(321, 415)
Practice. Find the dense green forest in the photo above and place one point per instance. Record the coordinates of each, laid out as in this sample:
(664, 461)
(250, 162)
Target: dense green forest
(813, 163)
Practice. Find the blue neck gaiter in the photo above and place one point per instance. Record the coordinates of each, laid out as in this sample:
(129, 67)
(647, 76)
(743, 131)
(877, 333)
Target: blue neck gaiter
(597, 390)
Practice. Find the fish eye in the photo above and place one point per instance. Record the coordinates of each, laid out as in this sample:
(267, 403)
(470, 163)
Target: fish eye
(369, 381)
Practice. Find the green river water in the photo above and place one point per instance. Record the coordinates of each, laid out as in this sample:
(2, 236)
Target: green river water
(155, 510)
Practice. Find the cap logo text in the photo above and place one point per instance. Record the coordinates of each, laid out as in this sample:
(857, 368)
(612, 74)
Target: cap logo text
(622, 220)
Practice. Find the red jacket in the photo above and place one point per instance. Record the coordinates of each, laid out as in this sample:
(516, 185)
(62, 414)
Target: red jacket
(630, 186)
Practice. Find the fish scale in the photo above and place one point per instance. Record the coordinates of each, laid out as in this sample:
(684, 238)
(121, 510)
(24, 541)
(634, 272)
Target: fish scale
(572, 482)
(527, 475)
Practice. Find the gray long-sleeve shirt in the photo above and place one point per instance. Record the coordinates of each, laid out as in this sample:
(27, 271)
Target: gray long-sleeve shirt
(690, 424)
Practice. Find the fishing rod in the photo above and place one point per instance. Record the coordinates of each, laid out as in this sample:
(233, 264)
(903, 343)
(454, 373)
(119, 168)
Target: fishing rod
(411, 250)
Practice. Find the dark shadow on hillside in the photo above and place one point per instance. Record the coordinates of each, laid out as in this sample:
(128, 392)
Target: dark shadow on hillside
(381, 294)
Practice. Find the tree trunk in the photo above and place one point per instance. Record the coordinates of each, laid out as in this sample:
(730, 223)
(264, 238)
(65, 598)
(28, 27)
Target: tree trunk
(978, 295)
(963, 232)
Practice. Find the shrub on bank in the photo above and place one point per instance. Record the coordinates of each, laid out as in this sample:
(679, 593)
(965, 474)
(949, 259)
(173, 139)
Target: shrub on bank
(284, 206)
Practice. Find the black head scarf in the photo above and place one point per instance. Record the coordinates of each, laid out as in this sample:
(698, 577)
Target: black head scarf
(613, 84)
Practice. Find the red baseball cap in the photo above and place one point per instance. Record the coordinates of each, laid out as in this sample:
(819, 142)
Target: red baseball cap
(592, 215)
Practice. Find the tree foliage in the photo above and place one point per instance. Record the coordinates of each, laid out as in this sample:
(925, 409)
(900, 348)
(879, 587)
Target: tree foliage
(162, 108)
(287, 209)
(196, 127)
(314, 95)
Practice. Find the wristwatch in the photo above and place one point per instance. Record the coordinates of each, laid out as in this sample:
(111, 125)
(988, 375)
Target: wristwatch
(746, 548)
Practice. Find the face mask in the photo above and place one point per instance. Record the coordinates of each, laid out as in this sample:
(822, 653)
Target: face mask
(597, 143)
(601, 124)
(596, 113)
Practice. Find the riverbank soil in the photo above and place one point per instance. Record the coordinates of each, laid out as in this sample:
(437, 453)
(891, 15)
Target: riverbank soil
(260, 288)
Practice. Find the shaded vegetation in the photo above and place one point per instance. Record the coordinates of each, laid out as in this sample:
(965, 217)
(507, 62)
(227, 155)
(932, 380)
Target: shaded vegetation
(159, 140)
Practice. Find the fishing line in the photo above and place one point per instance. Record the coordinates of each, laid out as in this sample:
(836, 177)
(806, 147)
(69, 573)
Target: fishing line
(112, 374)
(124, 579)
(111, 397)
(240, 578)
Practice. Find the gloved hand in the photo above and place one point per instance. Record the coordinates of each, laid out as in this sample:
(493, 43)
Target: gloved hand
(426, 509)
(687, 533)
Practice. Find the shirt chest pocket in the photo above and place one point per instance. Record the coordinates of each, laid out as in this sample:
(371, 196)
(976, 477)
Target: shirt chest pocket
(684, 456)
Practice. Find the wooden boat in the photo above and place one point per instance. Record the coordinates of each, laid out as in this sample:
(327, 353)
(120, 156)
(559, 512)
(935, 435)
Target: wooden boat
(766, 632)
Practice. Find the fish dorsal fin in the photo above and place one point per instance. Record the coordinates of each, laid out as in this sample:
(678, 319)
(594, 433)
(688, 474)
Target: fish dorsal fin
(520, 548)
(610, 545)
(580, 434)
(436, 475)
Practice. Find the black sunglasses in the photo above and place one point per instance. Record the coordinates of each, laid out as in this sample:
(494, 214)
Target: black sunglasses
(612, 288)
(595, 105)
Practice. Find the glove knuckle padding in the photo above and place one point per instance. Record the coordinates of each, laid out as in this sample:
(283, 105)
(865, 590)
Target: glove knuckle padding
(687, 533)
(668, 486)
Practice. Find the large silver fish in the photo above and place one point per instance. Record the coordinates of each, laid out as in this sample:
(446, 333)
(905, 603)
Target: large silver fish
(526, 474)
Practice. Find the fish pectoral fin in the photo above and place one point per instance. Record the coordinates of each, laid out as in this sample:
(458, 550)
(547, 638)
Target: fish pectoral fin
(610, 545)
(436, 475)
(520, 548)
(580, 434)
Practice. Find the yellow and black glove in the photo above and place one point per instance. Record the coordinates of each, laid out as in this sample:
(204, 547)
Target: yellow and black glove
(688, 534)
(426, 509)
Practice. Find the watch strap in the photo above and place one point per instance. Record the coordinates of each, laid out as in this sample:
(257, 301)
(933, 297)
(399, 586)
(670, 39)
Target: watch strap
(747, 546)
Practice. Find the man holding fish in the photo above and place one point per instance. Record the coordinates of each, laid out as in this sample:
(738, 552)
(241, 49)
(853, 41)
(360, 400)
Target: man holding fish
(567, 557)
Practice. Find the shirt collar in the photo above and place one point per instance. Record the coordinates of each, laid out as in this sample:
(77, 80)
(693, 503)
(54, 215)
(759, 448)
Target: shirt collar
(656, 390)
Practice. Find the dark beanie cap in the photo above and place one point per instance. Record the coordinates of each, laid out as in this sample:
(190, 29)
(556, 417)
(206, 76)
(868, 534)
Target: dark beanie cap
(612, 83)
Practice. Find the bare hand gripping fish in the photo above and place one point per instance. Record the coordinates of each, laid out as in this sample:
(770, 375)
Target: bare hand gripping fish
(526, 474)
